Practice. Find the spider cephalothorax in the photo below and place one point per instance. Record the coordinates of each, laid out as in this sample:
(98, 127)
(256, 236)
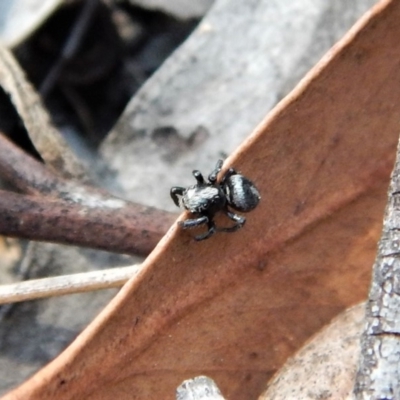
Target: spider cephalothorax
(205, 199)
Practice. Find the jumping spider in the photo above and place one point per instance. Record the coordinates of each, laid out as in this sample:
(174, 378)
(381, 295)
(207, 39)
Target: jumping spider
(205, 199)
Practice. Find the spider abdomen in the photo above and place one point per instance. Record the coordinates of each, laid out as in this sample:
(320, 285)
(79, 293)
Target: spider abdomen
(241, 193)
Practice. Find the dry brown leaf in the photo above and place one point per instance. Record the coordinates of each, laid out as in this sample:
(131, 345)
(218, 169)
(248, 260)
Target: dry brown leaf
(321, 160)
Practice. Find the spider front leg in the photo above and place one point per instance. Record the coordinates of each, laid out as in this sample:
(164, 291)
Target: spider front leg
(176, 194)
(192, 223)
(210, 232)
(199, 177)
(213, 176)
(240, 221)
(227, 175)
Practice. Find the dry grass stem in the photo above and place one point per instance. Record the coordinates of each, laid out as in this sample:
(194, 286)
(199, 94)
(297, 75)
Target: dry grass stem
(67, 284)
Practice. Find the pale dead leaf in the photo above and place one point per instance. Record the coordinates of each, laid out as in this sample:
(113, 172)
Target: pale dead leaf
(19, 18)
(45, 137)
(325, 368)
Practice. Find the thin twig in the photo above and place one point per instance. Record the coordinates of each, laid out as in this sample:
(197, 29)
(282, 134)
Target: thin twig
(24, 172)
(68, 212)
(71, 46)
(66, 284)
(108, 224)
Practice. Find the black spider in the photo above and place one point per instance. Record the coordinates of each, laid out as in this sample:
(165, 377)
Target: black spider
(205, 199)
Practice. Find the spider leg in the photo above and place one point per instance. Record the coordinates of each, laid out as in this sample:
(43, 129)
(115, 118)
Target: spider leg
(213, 176)
(240, 221)
(192, 223)
(210, 232)
(199, 177)
(227, 175)
(175, 192)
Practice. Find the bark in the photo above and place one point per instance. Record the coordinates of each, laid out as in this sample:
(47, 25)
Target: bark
(378, 376)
